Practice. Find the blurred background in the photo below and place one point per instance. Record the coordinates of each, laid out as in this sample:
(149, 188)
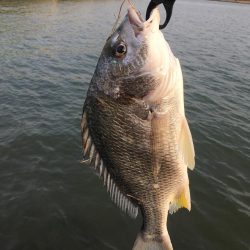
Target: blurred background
(48, 53)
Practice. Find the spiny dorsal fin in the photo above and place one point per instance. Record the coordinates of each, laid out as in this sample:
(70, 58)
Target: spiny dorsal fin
(181, 200)
(93, 158)
(186, 145)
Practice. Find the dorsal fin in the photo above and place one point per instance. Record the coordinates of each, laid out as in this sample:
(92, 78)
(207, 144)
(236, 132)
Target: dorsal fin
(93, 158)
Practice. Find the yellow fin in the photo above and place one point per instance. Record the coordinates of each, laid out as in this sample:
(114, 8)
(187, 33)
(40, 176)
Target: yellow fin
(181, 200)
(186, 145)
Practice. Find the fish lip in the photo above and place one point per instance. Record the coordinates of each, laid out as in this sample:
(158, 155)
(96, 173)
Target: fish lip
(135, 18)
(137, 22)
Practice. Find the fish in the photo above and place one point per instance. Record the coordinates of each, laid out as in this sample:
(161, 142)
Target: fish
(134, 130)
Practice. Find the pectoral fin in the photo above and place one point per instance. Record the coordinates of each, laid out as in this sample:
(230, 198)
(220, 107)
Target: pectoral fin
(186, 145)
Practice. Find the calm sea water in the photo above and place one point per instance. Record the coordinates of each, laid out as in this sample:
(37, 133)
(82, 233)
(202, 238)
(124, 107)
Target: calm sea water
(48, 52)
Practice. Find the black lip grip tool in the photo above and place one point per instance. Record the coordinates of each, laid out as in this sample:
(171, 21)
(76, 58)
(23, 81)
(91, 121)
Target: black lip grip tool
(168, 5)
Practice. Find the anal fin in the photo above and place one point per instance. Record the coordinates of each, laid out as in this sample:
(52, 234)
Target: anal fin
(182, 199)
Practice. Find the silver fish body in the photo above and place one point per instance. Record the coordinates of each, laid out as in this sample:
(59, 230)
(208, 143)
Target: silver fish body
(134, 130)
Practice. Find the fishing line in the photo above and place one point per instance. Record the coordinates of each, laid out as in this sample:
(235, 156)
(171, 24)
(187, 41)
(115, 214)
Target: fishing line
(119, 14)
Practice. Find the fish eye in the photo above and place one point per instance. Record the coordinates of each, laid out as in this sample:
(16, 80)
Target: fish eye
(120, 50)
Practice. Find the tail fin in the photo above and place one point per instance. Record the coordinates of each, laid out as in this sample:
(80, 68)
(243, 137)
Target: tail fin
(142, 243)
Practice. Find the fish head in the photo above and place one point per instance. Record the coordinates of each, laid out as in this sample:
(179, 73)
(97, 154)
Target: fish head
(135, 57)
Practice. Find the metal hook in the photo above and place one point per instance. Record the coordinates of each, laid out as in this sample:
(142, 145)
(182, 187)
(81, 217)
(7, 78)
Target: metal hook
(168, 5)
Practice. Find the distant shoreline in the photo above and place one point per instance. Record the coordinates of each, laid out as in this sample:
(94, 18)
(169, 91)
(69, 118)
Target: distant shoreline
(234, 1)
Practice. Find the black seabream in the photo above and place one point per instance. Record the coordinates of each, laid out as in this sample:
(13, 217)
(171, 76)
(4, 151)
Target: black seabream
(134, 130)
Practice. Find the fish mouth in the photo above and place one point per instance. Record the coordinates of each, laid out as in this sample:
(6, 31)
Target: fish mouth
(138, 24)
(135, 18)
